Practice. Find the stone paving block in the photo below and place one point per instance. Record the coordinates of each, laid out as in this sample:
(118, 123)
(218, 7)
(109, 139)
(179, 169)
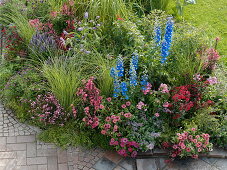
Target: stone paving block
(37, 161)
(104, 163)
(5, 162)
(31, 149)
(42, 167)
(21, 158)
(30, 167)
(12, 139)
(62, 156)
(16, 147)
(52, 163)
(26, 139)
(3, 141)
(113, 156)
(128, 164)
(3, 148)
(146, 164)
(62, 166)
(9, 155)
(47, 152)
(221, 164)
(211, 161)
(119, 168)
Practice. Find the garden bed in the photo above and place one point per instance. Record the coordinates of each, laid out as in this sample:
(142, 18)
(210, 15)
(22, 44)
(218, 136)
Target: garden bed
(113, 74)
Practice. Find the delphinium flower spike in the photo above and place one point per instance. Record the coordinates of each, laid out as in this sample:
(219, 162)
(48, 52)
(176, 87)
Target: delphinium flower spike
(124, 90)
(120, 66)
(157, 33)
(132, 70)
(166, 44)
(117, 88)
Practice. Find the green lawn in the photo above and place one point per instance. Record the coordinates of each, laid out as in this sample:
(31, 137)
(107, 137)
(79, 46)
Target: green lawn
(212, 15)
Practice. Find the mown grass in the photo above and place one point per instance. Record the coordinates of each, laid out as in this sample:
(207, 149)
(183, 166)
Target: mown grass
(212, 15)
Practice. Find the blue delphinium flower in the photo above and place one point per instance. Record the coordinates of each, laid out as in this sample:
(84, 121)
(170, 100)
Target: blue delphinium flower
(169, 31)
(133, 75)
(120, 66)
(124, 90)
(167, 40)
(117, 88)
(157, 34)
(144, 82)
(135, 60)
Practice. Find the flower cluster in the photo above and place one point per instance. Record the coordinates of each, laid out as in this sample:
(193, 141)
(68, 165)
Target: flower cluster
(190, 143)
(125, 146)
(211, 60)
(133, 68)
(42, 42)
(48, 110)
(158, 35)
(92, 100)
(165, 47)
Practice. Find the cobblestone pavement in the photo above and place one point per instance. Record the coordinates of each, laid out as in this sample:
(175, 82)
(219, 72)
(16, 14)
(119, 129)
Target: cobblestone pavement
(20, 150)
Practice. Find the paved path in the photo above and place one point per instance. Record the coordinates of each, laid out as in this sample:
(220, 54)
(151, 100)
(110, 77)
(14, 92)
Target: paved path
(20, 150)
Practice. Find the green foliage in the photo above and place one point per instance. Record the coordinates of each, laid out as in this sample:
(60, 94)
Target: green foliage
(11, 13)
(63, 79)
(214, 20)
(74, 134)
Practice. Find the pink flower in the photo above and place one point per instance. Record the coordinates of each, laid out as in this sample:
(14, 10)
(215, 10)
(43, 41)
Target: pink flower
(101, 106)
(112, 140)
(53, 14)
(115, 121)
(183, 146)
(109, 99)
(107, 126)
(199, 150)
(197, 136)
(128, 103)
(113, 117)
(124, 140)
(212, 80)
(103, 132)
(156, 114)
(116, 143)
(195, 141)
(166, 104)
(163, 88)
(123, 106)
(175, 146)
(134, 153)
(128, 115)
(188, 149)
(122, 145)
(193, 129)
(115, 128)
(117, 118)
(217, 38)
(173, 155)
(108, 119)
(130, 149)
(140, 105)
(195, 156)
(121, 152)
(147, 89)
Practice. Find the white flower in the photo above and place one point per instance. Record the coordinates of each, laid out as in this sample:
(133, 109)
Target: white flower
(190, 1)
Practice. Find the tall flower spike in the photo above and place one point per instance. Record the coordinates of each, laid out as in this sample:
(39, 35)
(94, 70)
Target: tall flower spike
(135, 60)
(124, 90)
(166, 44)
(144, 82)
(157, 34)
(117, 90)
(133, 76)
(120, 67)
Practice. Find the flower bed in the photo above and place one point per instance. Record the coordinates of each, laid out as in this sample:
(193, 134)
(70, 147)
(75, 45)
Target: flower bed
(128, 84)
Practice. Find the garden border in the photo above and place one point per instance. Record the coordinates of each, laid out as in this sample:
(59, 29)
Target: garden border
(157, 153)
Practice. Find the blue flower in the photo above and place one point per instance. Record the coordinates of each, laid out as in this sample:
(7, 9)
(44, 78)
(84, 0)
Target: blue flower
(135, 60)
(157, 34)
(120, 67)
(133, 76)
(166, 44)
(144, 81)
(124, 90)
